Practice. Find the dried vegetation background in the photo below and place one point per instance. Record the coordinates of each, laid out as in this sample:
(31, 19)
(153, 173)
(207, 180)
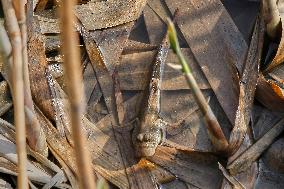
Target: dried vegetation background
(74, 83)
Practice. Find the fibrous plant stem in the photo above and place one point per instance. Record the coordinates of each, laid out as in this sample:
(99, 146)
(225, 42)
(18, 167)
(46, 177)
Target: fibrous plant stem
(18, 91)
(74, 87)
(214, 130)
(35, 135)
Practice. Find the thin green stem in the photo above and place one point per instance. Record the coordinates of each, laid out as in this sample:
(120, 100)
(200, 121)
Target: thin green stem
(214, 130)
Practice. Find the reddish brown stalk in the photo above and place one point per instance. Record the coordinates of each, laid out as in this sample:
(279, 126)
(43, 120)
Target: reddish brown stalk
(35, 135)
(75, 88)
(215, 132)
(18, 90)
(41, 5)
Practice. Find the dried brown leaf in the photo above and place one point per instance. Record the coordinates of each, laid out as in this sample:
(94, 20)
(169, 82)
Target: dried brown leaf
(95, 15)
(270, 94)
(245, 160)
(198, 169)
(134, 67)
(247, 87)
(5, 98)
(217, 45)
(112, 13)
(136, 47)
(274, 20)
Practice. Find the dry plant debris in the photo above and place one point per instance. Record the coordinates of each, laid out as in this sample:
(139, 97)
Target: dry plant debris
(79, 74)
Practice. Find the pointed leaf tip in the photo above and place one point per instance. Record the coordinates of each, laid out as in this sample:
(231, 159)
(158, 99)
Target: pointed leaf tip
(175, 66)
(172, 36)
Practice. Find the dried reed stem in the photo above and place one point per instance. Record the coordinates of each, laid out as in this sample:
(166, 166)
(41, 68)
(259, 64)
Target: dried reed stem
(18, 90)
(74, 79)
(23, 29)
(214, 130)
(35, 134)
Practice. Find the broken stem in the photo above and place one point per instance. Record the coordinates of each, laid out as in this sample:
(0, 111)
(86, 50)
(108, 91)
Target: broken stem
(271, 17)
(214, 130)
(18, 91)
(75, 88)
(246, 159)
(231, 179)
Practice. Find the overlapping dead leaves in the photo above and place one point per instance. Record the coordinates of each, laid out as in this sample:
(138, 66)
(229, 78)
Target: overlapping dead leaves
(121, 37)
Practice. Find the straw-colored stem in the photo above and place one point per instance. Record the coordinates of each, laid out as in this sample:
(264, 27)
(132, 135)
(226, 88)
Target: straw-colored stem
(35, 136)
(23, 29)
(18, 91)
(74, 79)
(214, 129)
